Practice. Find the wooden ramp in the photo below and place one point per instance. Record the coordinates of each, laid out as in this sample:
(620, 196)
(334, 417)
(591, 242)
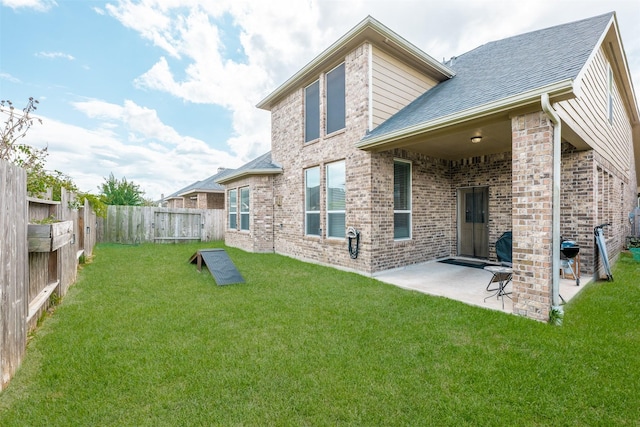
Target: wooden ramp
(219, 264)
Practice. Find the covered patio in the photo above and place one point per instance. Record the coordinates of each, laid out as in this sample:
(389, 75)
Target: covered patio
(465, 284)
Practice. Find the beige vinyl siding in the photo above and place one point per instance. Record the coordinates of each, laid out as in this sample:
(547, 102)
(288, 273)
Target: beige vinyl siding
(588, 115)
(394, 85)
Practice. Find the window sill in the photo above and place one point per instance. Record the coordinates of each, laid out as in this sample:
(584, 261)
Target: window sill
(312, 142)
(335, 133)
(402, 241)
(335, 240)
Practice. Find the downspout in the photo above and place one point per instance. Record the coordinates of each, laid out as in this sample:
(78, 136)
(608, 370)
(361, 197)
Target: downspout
(555, 239)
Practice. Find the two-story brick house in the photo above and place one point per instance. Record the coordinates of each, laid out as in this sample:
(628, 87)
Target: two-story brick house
(534, 134)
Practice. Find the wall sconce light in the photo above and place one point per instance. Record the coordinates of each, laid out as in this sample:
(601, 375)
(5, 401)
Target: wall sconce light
(476, 139)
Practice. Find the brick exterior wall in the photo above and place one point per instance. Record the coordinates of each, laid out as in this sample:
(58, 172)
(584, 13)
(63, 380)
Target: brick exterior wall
(431, 215)
(616, 196)
(175, 203)
(532, 186)
(577, 195)
(214, 201)
(202, 200)
(295, 156)
(594, 192)
(493, 171)
(259, 237)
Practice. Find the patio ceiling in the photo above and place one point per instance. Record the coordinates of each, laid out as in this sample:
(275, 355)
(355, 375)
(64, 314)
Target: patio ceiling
(454, 142)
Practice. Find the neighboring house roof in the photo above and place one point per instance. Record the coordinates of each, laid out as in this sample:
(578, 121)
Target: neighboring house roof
(262, 165)
(208, 185)
(369, 29)
(500, 75)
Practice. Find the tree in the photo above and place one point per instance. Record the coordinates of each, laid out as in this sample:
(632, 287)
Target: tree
(121, 192)
(16, 127)
(31, 159)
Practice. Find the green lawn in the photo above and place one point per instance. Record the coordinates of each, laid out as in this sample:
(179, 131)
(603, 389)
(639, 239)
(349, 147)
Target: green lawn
(144, 339)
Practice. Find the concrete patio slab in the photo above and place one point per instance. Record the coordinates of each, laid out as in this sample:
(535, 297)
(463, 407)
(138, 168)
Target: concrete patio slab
(465, 284)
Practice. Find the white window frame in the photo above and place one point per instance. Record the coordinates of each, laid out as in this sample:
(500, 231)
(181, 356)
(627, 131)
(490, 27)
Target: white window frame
(327, 104)
(331, 233)
(409, 200)
(233, 208)
(308, 212)
(244, 212)
(316, 104)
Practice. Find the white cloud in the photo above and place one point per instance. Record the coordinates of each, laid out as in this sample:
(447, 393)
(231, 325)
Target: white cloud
(38, 5)
(9, 78)
(55, 55)
(141, 123)
(274, 37)
(151, 154)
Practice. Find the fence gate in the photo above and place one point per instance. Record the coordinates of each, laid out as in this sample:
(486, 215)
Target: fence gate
(174, 226)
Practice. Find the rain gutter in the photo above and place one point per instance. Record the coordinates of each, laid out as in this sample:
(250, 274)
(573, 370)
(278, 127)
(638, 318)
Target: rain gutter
(244, 173)
(555, 239)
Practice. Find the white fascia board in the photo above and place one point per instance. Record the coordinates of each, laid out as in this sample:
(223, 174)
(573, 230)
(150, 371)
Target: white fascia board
(557, 89)
(200, 191)
(243, 174)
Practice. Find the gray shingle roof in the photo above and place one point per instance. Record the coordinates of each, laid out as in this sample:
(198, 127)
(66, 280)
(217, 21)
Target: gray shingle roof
(206, 185)
(262, 165)
(502, 69)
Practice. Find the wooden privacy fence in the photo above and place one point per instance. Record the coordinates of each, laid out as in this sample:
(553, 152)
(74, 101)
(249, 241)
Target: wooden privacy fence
(41, 242)
(138, 224)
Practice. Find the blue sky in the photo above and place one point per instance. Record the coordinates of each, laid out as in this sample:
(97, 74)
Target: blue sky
(163, 92)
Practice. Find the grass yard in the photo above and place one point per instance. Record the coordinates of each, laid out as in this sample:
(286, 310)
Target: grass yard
(144, 339)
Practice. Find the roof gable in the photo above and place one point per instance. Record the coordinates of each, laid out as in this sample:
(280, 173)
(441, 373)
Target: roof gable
(262, 165)
(208, 185)
(370, 30)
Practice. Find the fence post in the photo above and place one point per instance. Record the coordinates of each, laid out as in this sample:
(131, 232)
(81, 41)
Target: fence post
(14, 272)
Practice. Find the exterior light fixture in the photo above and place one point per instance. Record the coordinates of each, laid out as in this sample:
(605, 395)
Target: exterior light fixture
(476, 139)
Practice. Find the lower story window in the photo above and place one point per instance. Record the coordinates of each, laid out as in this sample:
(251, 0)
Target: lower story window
(244, 208)
(401, 199)
(336, 189)
(233, 209)
(312, 202)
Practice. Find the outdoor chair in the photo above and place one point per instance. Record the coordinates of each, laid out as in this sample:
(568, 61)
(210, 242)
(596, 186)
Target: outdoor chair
(503, 273)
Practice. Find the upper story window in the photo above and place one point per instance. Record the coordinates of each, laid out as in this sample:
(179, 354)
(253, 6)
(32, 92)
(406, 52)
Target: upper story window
(312, 112)
(312, 202)
(244, 208)
(336, 189)
(335, 99)
(401, 199)
(233, 209)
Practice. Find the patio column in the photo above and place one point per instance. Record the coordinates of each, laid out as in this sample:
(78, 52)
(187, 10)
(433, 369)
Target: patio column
(532, 189)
